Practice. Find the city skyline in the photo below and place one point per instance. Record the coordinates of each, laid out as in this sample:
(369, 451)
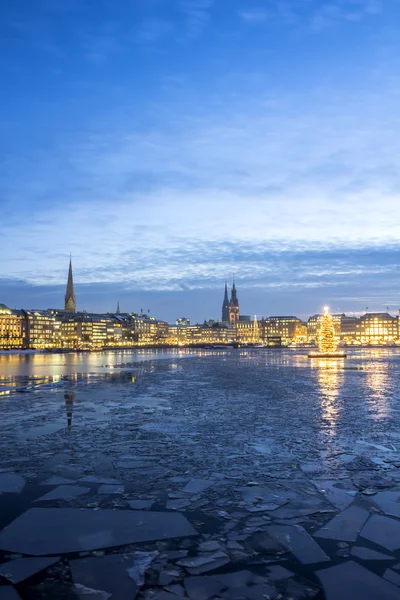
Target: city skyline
(230, 313)
(167, 145)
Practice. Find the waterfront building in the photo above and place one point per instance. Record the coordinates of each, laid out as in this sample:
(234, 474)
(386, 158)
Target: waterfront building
(225, 306)
(234, 312)
(13, 329)
(314, 323)
(248, 331)
(377, 328)
(183, 321)
(177, 335)
(70, 301)
(286, 328)
(211, 333)
(41, 329)
(76, 331)
(346, 328)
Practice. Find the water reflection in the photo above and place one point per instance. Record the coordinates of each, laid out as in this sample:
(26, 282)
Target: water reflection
(10, 384)
(378, 382)
(329, 383)
(69, 398)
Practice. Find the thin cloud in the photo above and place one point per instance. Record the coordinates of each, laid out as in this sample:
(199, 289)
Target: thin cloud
(254, 16)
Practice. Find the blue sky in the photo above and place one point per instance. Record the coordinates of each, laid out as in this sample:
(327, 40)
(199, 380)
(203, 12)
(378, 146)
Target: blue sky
(169, 143)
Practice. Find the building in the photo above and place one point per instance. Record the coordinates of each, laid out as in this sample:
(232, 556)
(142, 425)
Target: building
(225, 306)
(377, 328)
(185, 321)
(177, 335)
(211, 333)
(234, 312)
(41, 330)
(13, 329)
(288, 329)
(346, 328)
(76, 331)
(248, 331)
(313, 325)
(70, 301)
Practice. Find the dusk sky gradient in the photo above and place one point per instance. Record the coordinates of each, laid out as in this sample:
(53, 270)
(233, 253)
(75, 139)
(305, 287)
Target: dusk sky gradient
(167, 144)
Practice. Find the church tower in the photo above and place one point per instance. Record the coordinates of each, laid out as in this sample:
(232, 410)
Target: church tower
(234, 307)
(70, 302)
(225, 306)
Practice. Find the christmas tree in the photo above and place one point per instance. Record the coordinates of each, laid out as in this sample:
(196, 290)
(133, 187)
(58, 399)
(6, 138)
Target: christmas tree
(326, 336)
(256, 333)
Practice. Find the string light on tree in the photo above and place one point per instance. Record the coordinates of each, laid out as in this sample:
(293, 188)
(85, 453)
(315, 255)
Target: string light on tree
(326, 336)
(327, 343)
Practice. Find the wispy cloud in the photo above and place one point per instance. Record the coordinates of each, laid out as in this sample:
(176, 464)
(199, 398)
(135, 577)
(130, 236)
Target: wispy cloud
(197, 15)
(254, 16)
(154, 30)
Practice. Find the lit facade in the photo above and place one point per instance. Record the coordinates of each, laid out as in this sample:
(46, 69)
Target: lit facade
(378, 328)
(211, 333)
(248, 331)
(41, 329)
(13, 329)
(183, 321)
(288, 328)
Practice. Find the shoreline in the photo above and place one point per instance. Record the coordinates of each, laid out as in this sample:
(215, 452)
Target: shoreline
(235, 346)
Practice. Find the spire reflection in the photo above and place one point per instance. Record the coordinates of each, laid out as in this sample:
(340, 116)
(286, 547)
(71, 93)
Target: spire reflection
(69, 398)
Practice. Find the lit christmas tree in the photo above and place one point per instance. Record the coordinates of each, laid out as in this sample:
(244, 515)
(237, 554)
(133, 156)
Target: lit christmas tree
(256, 333)
(326, 336)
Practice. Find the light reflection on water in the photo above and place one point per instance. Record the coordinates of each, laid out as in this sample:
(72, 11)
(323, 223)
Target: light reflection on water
(377, 380)
(329, 379)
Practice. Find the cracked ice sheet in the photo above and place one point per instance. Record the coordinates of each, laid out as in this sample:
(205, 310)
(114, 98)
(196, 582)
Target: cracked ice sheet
(383, 531)
(345, 526)
(196, 486)
(64, 492)
(41, 531)
(236, 584)
(350, 581)
(11, 483)
(368, 554)
(333, 491)
(299, 542)
(9, 593)
(392, 576)
(110, 489)
(20, 569)
(389, 502)
(108, 574)
(197, 565)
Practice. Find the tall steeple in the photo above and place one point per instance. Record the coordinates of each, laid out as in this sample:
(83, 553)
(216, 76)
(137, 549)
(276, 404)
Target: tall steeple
(234, 298)
(225, 306)
(70, 302)
(234, 307)
(118, 311)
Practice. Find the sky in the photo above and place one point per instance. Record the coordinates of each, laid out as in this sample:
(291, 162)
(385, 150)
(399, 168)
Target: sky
(169, 144)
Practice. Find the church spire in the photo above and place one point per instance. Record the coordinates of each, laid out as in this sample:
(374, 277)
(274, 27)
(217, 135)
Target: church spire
(70, 302)
(118, 311)
(225, 306)
(234, 313)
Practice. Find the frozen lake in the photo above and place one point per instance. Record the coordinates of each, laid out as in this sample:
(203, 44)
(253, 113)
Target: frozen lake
(208, 472)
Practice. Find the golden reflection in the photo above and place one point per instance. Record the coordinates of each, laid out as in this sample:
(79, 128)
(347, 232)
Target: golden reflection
(378, 399)
(328, 379)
